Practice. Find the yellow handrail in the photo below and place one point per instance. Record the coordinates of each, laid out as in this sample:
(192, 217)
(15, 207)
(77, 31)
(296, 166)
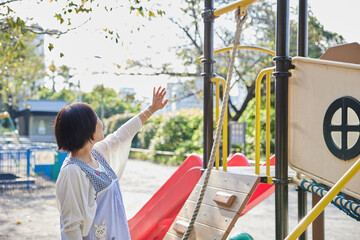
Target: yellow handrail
(232, 6)
(226, 49)
(217, 81)
(267, 72)
(267, 146)
(260, 49)
(320, 206)
(4, 115)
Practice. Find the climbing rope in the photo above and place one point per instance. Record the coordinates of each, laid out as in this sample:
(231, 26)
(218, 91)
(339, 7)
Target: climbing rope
(239, 24)
(350, 207)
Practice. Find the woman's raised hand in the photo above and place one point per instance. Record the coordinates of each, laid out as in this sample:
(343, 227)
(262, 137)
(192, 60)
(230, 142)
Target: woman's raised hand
(158, 101)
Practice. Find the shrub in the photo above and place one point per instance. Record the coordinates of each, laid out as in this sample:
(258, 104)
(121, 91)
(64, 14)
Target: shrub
(178, 132)
(115, 121)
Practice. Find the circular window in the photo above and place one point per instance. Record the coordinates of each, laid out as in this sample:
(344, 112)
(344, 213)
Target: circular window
(341, 128)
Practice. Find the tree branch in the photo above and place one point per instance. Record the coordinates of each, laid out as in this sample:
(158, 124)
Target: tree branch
(40, 30)
(198, 48)
(250, 95)
(9, 1)
(174, 74)
(185, 96)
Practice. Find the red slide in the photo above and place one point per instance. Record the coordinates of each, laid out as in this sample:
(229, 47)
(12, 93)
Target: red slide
(156, 216)
(262, 191)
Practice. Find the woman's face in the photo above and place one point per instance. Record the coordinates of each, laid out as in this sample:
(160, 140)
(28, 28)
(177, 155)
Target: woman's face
(99, 132)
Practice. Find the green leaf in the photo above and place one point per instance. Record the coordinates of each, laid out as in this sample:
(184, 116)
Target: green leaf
(160, 12)
(20, 44)
(50, 47)
(61, 55)
(140, 11)
(59, 18)
(9, 10)
(151, 14)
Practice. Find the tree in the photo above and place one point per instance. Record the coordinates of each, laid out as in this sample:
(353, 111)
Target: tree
(20, 67)
(113, 102)
(259, 30)
(10, 22)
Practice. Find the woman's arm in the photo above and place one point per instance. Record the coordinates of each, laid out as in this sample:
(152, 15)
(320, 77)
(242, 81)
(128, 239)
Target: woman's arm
(115, 147)
(75, 201)
(158, 103)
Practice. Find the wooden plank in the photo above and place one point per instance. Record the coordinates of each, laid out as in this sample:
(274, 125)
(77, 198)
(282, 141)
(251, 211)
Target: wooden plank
(200, 231)
(251, 171)
(211, 192)
(231, 181)
(215, 221)
(170, 236)
(209, 215)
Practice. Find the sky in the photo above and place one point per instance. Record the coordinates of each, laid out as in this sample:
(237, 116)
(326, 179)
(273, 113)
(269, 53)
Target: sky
(92, 56)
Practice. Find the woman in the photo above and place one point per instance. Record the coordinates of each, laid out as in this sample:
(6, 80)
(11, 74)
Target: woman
(87, 189)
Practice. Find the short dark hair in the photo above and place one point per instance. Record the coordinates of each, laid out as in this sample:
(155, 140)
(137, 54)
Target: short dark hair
(74, 125)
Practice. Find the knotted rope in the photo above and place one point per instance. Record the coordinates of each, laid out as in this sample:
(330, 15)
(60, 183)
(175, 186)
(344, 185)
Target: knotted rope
(350, 207)
(239, 25)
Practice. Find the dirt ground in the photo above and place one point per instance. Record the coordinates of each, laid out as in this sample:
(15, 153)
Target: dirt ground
(32, 214)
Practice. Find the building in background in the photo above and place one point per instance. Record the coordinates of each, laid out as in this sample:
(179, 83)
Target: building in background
(124, 92)
(181, 101)
(35, 119)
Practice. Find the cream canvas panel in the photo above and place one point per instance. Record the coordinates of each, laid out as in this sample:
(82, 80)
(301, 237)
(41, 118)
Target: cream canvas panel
(313, 87)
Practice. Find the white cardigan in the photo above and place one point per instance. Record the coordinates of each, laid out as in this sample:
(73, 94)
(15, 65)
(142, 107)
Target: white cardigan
(75, 193)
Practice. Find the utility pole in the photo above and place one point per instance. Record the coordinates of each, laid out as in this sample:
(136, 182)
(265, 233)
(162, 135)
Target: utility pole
(102, 102)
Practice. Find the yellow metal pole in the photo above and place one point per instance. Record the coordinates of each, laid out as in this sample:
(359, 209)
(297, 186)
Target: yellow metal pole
(301, 227)
(4, 115)
(216, 80)
(225, 139)
(232, 6)
(217, 90)
(226, 49)
(260, 49)
(257, 121)
(267, 148)
(225, 131)
(257, 116)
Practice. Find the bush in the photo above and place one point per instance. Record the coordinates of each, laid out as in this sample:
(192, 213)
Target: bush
(115, 121)
(177, 132)
(249, 118)
(149, 130)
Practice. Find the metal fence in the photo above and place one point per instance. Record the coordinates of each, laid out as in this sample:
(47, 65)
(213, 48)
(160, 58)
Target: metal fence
(25, 169)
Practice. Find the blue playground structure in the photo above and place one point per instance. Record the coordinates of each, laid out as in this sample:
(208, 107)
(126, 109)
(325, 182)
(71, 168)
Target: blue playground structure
(24, 164)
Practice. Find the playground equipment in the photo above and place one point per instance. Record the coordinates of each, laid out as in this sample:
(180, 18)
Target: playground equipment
(331, 134)
(217, 192)
(232, 190)
(10, 135)
(21, 162)
(343, 150)
(309, 125)
(153, 220)
(21, 166)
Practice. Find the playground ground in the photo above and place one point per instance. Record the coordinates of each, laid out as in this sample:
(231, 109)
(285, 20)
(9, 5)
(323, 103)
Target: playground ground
(33, 215)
